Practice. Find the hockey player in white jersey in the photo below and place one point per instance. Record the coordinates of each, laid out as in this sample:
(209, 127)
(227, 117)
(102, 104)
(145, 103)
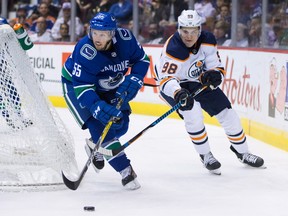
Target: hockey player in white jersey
(189, 60)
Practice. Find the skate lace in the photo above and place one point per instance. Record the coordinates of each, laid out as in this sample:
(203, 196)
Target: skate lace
(249, 158)
(209, 159)
(98, 156)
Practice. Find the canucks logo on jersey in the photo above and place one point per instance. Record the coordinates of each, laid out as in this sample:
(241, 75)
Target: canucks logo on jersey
(88, 51)
(111, 82)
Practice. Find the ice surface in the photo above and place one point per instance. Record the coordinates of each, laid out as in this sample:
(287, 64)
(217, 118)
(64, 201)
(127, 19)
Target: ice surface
(174, 182)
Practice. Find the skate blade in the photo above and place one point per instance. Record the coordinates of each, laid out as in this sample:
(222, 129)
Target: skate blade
(133, 185)
(95, 168)
(216, 171)
(262, 167)
(248, 166)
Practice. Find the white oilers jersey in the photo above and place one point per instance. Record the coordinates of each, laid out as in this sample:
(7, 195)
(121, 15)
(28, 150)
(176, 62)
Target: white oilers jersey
(179, 63)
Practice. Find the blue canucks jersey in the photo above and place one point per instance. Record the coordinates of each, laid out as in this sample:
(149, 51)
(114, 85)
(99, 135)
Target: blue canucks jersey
(94, 73)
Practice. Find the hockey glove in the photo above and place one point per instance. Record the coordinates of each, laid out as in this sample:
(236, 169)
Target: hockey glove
(213, 77)
(182, 96)
(104, 112)
(131, 86)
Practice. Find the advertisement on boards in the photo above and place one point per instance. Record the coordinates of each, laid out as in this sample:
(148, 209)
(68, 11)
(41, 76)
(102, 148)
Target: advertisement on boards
(255, 83)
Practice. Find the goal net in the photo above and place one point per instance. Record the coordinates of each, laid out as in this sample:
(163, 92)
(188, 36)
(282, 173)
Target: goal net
(34, 143)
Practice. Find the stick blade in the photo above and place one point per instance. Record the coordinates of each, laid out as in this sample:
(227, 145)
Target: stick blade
(73, 185)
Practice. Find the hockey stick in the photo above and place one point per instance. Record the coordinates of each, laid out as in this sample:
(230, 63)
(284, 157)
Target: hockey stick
(73, 185)
(150, 85)
(113, 152)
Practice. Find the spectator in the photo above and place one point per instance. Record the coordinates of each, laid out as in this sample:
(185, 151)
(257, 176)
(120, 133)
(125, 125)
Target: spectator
(281, 37)
(64, 33)
(158, 11)
(254, 34)
(53, 8)
(145, 11)
(255, 7)
(43, 11)
(21, 17)
(43, 34)
(85, 9)
(79, 29)
(224, 14)
(60, 14)
(154, 34)
(219, 3)
(269, 32)
(205, 9)
(103, 5)
(122, 11)
(220, 32)
(86, 27)
(169, 10)
(243, 13)
(140, 38)
(172, 10)
(241, 36)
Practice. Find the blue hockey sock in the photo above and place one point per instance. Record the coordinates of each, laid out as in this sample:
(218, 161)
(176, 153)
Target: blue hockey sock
(120, 161)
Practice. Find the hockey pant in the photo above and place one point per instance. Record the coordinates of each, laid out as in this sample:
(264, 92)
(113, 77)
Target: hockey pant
(215, 103)
(85, 120)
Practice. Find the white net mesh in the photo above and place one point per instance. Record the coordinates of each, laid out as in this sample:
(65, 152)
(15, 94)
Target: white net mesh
(34, 143)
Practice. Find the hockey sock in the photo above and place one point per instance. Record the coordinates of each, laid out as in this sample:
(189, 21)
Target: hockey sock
(118, 162)
(114, 144)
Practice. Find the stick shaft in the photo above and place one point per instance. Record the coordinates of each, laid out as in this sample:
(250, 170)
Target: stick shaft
(73, 185)
(114, 152)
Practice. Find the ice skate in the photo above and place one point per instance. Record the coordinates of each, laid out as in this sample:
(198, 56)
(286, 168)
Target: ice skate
(249, 159)
(211, 163)
(98, 159)
(129, 180)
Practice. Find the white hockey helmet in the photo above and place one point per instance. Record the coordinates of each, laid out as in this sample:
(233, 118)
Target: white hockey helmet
(189, 18)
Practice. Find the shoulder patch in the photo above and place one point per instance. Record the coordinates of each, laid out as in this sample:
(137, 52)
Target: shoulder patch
(125, 34)
(88, 52)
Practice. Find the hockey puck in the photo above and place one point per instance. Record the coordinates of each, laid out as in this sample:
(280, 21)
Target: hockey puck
(89, 208)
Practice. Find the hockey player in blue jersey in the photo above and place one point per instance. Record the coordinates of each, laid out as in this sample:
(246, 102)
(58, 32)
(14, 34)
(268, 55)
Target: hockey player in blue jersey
(188, 60)
(95, 76)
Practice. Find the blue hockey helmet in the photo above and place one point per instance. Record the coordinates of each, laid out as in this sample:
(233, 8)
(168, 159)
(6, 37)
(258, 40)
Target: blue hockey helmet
(3, 21)
(103, 21)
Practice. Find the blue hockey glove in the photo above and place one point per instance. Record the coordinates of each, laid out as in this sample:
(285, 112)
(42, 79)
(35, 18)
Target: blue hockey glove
(104, 111)
(213, 77)
(131, 86)
(182, 96)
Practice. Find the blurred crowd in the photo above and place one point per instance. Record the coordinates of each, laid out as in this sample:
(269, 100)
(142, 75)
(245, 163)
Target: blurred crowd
(49, 20)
